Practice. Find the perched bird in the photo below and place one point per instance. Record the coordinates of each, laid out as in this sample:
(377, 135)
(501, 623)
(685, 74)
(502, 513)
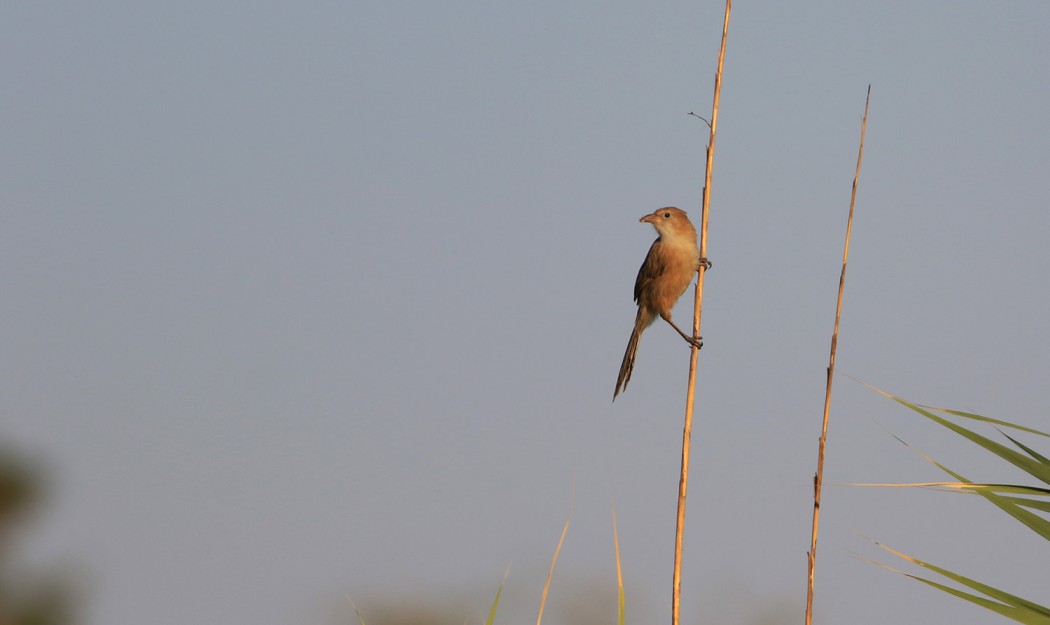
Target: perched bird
(666, 273)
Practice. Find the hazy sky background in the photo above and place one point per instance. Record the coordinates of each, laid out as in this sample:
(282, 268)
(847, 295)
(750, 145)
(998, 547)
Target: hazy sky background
(305, 299)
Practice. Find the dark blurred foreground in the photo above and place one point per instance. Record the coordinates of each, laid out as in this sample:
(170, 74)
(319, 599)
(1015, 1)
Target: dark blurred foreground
(27, 597)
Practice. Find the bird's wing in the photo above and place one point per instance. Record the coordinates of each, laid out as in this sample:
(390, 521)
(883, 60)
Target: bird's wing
(654, 266)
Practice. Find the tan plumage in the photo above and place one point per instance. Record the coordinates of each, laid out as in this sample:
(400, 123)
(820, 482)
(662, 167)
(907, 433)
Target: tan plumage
(666, 273)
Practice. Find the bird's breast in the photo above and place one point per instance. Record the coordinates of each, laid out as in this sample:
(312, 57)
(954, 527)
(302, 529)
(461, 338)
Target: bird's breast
(668, 273)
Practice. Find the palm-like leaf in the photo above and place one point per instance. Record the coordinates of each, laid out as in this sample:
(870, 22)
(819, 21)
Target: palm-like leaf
(1013, 499)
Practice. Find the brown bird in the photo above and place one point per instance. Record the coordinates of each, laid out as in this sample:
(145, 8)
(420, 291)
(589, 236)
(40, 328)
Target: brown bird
(666, 274)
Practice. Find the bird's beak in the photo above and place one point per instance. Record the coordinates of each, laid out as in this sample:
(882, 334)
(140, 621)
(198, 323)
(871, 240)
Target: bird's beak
(648, 219)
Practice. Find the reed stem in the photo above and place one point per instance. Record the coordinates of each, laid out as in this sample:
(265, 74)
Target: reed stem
(818, 478)
(687, 430)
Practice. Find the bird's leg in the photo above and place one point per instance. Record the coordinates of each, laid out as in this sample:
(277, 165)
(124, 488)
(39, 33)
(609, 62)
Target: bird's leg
(706, 264)
(696, 342)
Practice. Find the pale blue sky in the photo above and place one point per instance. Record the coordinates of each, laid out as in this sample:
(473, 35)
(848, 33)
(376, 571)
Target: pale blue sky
(305, 299)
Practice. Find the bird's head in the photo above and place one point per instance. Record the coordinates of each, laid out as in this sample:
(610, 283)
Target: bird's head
(670, 222)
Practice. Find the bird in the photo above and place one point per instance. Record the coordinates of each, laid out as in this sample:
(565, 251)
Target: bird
(664, 276)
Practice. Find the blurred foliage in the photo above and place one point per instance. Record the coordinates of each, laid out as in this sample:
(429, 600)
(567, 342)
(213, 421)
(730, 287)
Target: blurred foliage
(25, 598)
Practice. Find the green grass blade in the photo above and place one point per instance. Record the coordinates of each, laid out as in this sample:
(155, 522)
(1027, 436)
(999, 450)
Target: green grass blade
(1029, 465)
(1020, 615)
(1019, 501)
(1012, 506)
(1001, 602)
(1031, 452)
(968, 487)
(360, 619)
(977, 417)
(495, 604)
(1014, 489)
(1043, 506)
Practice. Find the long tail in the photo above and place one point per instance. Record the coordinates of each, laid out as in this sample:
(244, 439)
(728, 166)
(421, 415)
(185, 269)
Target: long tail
(628, 359)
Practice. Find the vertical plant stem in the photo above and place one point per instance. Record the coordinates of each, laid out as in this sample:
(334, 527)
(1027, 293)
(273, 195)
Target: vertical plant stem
(554, 560)
(687, 431)
(621, 609)
(818, 478)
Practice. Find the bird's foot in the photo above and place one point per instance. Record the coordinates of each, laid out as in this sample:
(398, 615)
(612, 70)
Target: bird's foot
(706, 264)
(694, 341)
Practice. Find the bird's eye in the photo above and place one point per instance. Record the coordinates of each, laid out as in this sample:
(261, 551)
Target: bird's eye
(667, 215)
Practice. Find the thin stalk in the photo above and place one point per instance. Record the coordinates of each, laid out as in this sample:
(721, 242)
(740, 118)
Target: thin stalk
(554, 560)
(687, 430)
(621, 603)
(818, 479)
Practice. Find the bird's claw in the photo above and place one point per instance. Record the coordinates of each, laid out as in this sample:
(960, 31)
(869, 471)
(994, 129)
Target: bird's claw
(698, 342)
(706, 264)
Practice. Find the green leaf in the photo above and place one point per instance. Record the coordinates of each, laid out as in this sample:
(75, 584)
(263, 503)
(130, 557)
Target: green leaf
(1001, 602)
(1028, 450)
(1018, 501)
(1033, 467)
(977, 417)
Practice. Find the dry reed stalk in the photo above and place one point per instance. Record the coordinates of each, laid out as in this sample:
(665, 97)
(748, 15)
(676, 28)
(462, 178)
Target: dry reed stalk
(621, 602)
(818, 478)
(687, 430)
(554, 560)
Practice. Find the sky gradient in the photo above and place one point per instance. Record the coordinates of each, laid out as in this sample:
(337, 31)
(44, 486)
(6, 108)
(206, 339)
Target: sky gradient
(305, 299)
